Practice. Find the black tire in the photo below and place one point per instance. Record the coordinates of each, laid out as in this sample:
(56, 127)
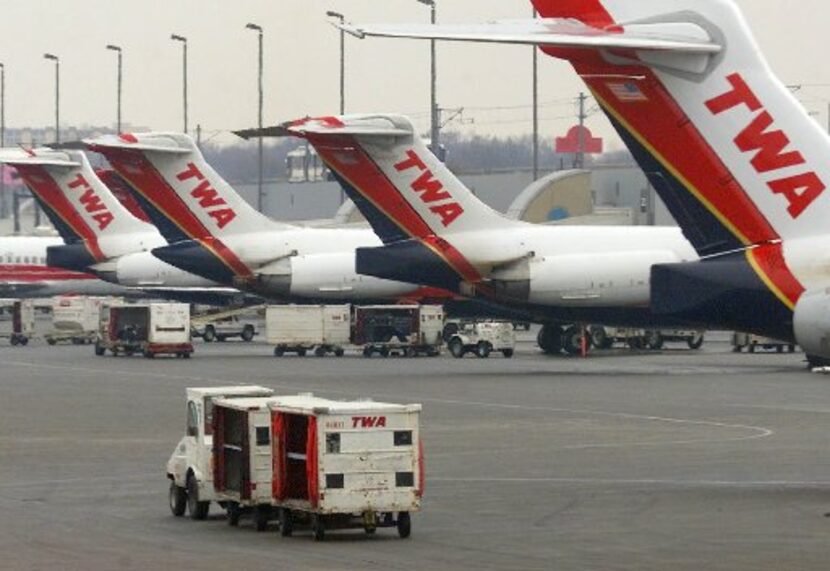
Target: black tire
(508, 353)
(99, 351)
(52, 341)
(186, 355)
(791, 348)
(456, 347)
(318, 527)
(198, 510)
(14, 340)
(339, 352)
(178, 499)
(262, 514)
(210, 334)
(654, 340)
(404, 525)
(286, 522)
(599, 337)
(450, 329)
(635, 343)
(696, 342)
(367, 352)
(147, 353)
(410, 353)
(279, 351)
(234, 513)
(549, 339)
(572, 340)
(248, 333)
(24, 340)
(221, 338)
(752, 348)
(779, 348)
(384, 352)
(320, 352)
(301, 352)
(483, 349)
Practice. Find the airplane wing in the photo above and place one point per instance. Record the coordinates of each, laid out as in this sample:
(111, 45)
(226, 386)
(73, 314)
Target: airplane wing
(679, 37)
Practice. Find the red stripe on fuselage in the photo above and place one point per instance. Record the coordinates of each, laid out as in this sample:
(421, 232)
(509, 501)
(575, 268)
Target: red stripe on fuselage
(344, 154)
(143, 176)
(41, 183)
(30, 273)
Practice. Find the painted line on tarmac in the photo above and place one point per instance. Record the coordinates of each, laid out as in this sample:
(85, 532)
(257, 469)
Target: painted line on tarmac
(640, 482)
(758, 431)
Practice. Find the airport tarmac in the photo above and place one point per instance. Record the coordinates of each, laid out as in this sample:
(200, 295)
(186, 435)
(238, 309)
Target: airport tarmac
(682, 460)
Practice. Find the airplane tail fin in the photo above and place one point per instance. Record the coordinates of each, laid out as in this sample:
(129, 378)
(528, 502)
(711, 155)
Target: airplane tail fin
(176, 183)
(78, 203)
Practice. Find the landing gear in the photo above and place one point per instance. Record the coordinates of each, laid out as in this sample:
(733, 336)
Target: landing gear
(572, 339)
(550, 339)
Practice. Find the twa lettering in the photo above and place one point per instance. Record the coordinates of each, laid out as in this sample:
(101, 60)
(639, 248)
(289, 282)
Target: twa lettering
(430, 190)
(770, 147)
(207, 196)
(92, 202)
(368, 422)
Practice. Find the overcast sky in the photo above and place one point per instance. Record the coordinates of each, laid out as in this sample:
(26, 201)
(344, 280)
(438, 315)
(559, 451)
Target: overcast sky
(492, 83)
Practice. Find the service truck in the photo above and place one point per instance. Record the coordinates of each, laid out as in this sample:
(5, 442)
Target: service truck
(242, 458)
(19, 326)
(341, 465)
(149, 328)
(301, 328)
(409, 330)
(481, 338)
(75, 319)
(189, 467)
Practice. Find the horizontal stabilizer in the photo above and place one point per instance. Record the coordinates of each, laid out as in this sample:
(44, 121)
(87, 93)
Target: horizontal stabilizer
(363, 126)
(159, 144)
(555, 32)
(41, 157)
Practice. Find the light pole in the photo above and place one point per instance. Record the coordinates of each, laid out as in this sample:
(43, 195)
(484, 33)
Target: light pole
(117, 50)
(435, 131)
(535, 108)
(57, 61)
(260, 188)
(183, 40)
(2, 138)
(339, 16)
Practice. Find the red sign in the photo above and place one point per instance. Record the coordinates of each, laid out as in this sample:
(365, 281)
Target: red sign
(570, 143)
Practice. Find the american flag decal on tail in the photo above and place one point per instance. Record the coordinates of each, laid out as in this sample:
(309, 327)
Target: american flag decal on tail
(627, 91)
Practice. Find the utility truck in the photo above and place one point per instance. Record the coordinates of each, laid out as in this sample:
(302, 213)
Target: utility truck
(150, 329)
(481, 338)
(189, 467)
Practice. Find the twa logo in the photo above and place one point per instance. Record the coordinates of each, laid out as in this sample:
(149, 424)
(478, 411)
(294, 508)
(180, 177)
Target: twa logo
(430, 190)
(207, 196)
(91, 202)
(368, 422)
(770, 147)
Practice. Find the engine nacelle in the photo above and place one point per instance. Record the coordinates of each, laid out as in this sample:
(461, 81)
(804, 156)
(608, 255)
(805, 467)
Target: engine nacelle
(811, 322)
(325, 276)
(602, 279)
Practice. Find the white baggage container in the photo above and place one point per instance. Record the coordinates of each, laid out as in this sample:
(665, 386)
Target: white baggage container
(346, 464)
(189, 467)
(406, 329)
(151, 329)
(75, 319)
(19, 324)
(300, 328)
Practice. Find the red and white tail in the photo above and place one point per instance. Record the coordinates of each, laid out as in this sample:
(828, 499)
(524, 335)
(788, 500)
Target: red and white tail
(731, 151)
(402, 188)
(172, 176)
(79, 204)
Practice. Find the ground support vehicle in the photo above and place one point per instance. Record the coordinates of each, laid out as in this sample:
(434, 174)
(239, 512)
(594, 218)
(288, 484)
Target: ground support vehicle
(75, 320)
(222, 325)
(482, 338)
(407, 330)
(605, 337)
(345, 464)
(751, 343)
(150, 329)
(189, 467)
(302, 328)
(20, 327)
(242, 458)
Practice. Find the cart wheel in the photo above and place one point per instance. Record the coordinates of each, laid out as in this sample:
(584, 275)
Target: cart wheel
(301, 352)
(339, 352)
(198, 510)
(318, 529)
(14, 340)
(24, 340)
(178, 499)
(262, 514)
(410, 352)
(233, 513)
(370, 530)
(696, 342)
(209, 335)
(279, 351)
(222, 338)
(99, 351)
(320, 352)
(52, 341)
(483, 349)
(248, 333)
(404, 525)
(508, 353)
(456, 347)
(286, 522)
(367, 352)
(147, 354)
(384, 351)
(185, 355)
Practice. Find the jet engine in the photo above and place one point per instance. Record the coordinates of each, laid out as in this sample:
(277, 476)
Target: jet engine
(811, 324)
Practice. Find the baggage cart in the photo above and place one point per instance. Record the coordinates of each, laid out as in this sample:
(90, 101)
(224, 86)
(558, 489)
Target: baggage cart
(150, 329)
(408, 330)
(302, 328)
